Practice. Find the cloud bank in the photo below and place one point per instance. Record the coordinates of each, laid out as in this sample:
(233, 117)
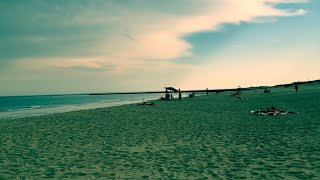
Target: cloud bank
(124, 34)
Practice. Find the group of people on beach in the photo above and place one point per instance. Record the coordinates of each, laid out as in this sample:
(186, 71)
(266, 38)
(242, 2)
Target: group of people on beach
(169, 96)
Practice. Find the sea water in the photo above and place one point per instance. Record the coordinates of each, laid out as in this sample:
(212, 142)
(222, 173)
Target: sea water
(27, 106)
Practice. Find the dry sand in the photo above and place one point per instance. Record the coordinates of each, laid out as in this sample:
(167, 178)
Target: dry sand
(214, 137)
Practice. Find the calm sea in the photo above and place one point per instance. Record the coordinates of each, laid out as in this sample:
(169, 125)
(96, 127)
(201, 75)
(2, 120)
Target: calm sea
(27, 106)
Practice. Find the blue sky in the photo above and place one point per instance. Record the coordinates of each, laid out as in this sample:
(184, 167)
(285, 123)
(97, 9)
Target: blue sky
(53, 47)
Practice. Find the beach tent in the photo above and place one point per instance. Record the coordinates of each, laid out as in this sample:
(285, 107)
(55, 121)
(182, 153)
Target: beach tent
(171, 89)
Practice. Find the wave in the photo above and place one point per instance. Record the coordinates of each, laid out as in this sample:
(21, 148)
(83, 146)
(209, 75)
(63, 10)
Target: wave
(111, 100)
(21, 108)
(29, 107)
(35, 107)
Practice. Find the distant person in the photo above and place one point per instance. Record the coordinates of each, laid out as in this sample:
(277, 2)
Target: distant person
(171, 96)
(207, 91)
(179, 94)
(167, 95)
(296, 88)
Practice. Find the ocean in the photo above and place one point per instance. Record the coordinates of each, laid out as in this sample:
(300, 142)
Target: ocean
(12, 107)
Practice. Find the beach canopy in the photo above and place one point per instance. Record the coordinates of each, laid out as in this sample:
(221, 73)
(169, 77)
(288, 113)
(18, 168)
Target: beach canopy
(171, 89)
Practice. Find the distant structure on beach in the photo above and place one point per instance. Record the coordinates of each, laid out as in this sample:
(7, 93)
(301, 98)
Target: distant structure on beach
(167, 95)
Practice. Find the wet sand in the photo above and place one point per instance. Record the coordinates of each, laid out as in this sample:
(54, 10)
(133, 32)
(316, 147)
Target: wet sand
(205, 137)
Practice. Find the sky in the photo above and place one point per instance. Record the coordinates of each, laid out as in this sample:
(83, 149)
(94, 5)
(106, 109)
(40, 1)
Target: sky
(84, 46)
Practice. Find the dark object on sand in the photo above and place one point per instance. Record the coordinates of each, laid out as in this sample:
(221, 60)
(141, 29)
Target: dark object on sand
(179, 94)
(146, 104)
(266, 91)
(272, 112)
(296, 88)
(242, 98)
(191, 95)
(236, 94)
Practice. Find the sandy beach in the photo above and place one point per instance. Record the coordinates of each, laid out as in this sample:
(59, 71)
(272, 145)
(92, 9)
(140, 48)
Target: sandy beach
(205, 137)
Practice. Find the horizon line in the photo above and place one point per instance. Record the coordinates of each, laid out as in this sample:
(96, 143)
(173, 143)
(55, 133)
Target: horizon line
(157, 92)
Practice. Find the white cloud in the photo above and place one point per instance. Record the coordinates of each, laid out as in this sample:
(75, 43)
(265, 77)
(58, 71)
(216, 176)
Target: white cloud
(160, 36)
(145, 32)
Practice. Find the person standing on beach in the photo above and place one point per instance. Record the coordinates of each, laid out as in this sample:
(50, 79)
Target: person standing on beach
(296, 88)
(179, 94)
(167, 95)
(207, 91)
